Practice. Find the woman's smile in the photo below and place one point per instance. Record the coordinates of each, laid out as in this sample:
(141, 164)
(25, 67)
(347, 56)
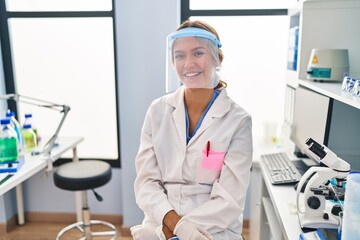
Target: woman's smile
(192, 74)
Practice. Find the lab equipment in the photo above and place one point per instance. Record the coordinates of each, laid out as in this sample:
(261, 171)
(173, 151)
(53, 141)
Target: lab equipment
(8, 142)
(348, 84)
(313, 212)
(64, 109)
(212, 44)
(356, 90)
(339, 231)
(351, 219)
(30, 139)
(351, 85)
(329, 122)
(12, 167)
(310, 118)
(280, 168)
(328, 64)
(16, 126)
(29, 120)
(313, 235)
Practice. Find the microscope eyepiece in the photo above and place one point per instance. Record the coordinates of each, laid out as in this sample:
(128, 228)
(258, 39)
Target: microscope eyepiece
(316, 148)
(311, 142)
(318, 151)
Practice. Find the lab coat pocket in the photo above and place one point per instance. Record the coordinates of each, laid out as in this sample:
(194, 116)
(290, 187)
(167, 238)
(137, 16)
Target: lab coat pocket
(209, 169)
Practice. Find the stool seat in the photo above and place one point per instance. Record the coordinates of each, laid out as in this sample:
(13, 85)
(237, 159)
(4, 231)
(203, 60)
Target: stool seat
(82, 175)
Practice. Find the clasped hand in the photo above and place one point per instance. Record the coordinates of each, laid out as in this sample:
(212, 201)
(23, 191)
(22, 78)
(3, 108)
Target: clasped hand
(186, 230)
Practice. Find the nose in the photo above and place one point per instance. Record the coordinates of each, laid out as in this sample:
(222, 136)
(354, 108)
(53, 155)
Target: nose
(189, 61)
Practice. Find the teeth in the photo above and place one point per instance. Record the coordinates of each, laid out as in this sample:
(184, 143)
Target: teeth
(191, 74)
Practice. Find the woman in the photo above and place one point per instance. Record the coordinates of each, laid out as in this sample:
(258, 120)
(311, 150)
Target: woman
(194, 159)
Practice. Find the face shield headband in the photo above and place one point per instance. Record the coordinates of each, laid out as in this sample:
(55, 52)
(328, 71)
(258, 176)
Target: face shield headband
(173, 80)
(194, 32)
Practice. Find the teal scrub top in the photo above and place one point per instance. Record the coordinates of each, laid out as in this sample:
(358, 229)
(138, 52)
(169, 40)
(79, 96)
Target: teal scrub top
(188, 136)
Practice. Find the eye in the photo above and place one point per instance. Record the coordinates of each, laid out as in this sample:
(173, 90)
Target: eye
(179, 56)
(199, 53)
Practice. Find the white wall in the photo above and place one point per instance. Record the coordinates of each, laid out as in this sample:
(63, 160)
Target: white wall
(142, 27)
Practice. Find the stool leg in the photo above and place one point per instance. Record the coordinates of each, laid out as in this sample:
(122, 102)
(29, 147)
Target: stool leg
(85, 226)
(86, 216)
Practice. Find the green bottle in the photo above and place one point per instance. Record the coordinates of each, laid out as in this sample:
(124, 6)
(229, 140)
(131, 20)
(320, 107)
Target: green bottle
(8, 142)
(28, 120)
(30, 140)
(16, 126)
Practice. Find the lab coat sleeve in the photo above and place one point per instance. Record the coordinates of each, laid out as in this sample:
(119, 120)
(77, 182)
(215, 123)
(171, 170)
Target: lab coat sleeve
(227, 198)
(149, 191)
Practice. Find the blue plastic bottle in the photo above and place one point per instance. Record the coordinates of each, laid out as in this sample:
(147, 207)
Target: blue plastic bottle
(8, 142)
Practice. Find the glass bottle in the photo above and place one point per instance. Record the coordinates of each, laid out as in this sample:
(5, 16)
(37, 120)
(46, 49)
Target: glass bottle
(8, 142)
(30, 141)
(339, 234)
(16, 126)
(29, 120)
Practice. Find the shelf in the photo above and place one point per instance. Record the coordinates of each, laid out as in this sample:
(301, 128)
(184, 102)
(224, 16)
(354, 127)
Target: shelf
(333, 90)
(271, 218)
(292, 78)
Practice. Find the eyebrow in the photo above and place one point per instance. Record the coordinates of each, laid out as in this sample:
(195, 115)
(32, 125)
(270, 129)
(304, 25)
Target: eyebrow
(195, 49)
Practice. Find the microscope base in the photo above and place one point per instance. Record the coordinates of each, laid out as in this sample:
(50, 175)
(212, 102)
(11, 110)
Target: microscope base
(317, 221)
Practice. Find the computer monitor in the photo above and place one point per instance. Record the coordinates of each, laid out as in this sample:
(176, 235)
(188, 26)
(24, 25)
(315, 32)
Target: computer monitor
(329, 122)
(310, 119)
(344, 133)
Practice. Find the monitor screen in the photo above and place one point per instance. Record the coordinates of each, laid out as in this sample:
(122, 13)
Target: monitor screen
(344, 133)
(310, 119)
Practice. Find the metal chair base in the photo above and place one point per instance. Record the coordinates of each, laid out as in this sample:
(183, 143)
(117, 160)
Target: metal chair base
(89, 234)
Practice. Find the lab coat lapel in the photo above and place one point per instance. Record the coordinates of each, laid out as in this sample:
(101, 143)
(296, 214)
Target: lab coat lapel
(208, 120)
(219, 108)
(177, 101)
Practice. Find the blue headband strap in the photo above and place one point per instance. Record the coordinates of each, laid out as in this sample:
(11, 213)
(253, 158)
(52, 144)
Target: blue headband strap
(194, 32)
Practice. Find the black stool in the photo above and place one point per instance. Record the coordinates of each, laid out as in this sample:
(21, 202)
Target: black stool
(82, 176)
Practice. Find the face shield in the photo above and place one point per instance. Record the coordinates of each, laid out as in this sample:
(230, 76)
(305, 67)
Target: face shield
(192, 59)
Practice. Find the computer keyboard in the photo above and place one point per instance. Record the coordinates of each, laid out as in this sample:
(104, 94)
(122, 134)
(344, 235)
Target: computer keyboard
(280, 168)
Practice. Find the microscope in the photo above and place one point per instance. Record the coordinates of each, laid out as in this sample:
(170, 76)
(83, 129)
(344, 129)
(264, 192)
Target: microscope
(312, 209)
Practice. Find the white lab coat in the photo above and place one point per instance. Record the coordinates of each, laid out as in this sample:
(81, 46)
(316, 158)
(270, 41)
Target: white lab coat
(171, 175)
